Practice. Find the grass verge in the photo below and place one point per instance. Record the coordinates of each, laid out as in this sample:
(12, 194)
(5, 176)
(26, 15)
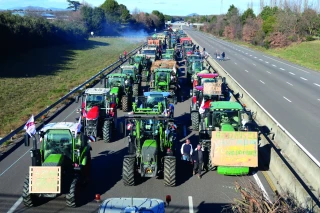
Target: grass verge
(34, 80)
(304, 54)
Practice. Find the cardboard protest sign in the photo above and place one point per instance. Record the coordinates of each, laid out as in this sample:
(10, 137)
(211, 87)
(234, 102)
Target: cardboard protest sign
(213, 88)
(45, 179)
(234, 149)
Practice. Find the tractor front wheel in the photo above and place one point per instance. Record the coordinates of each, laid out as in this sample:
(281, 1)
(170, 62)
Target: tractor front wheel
(144, 76)
(73, 197)
(135, 90)
(169, 171)
(195, 121)
(128, 171)
(125, 103)
(107, 131)
(29, 200)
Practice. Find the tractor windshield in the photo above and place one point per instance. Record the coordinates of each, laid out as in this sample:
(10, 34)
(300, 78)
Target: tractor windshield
(129, 72)
(153, 100)
(208, 80)
(191, 58)
(149, 52)
(115, 82)
(57, 141)
(162, 76)
(149, 126)
(137, 59)
(197, 65)
(169, 52)
(95, 100)
(166, 56)
(227, 117)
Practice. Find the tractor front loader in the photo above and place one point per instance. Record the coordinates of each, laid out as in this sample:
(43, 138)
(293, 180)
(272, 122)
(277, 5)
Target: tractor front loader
(151, 149)
(60, 166)
(99, 112)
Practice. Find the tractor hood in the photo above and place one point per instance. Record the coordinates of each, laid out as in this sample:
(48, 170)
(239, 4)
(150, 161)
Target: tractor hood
(93, 113)
(53, 160)
(162, 84)
(114, 91)
(227, 127)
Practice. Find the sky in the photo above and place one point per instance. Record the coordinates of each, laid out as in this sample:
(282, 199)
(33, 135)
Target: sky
(169, 7)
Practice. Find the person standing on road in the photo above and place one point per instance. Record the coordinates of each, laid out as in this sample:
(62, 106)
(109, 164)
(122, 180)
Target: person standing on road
(197, 157)
(222, 56)
(186, 150)
(125, 54)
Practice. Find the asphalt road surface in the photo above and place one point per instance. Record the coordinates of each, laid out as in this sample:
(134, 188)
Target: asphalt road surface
(191, 194)
(290, 93)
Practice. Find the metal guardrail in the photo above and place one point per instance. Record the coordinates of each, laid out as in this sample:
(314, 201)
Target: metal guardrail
(118, 63)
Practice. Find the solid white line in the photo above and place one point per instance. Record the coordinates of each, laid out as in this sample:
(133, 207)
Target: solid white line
(235, 63)
(287, 64)
(255, 57)
(267, 62)
(282, 69)
(254, 64)
(246, 70)
(15, 205)
(268, 72)
(289, 83)
(260, 59)
(303, 79)
(287, 99)
(265, 194)
(262, 82)
(246, 53)
(292, 73)
(316, 84)
(274, 65)
(190, 201)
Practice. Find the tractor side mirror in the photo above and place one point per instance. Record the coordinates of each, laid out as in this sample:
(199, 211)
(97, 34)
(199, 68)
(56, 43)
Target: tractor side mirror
(26, 139)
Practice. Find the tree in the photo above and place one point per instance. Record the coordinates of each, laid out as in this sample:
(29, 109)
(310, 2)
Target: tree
(111, 10)
(268, 11)
(167, 18)
(161, 19)
(75, 5)
(310, 21)
(94, 18)
(268, 24)
(124, 13)
(247, 14)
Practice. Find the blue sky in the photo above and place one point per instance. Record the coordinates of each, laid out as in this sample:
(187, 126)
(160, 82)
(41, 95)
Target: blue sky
(170, 7)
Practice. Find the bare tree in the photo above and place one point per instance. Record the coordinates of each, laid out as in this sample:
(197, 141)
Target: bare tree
(310, 21)
(261, 5)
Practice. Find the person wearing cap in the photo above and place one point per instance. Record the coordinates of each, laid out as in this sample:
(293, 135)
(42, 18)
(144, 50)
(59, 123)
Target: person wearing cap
(197, 157)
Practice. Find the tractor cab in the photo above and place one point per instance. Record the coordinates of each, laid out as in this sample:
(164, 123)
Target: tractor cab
(97, 101)
(187, 50)
(191, 58)
(151, 52)
(132, 72)
(139, 61)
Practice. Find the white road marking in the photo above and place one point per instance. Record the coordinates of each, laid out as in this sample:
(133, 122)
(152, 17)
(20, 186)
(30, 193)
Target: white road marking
(268, 72)
(235, 63)
(274, 65)
(255, 57)
(287, 99)
(250, 55)
(316, 84)
(246, 53)
(15, 205)
(260, 59)
(246, 70)
(243, 58)
(289, 83)
(254, 64)
(282, 69)
(267, 62)
(190, 201)
(262, 82)
(287, 64)
(318, 99)
(265, 194)
(292, 73)
(303, 79)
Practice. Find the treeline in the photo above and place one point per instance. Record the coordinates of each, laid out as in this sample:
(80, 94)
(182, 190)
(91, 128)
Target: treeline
(111, 15)
(275, 26)
(21, 33)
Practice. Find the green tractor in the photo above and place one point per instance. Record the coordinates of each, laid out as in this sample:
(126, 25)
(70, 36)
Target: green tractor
(163, 83)
(151, 52)
(143, 65)
(135, 75)
(99, 112)
(224, 116)
(194, 67)
(60, 166)
(151, 149)
(169, 55)
(121, 88)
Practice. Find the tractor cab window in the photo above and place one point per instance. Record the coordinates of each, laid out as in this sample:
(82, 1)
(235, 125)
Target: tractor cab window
(167, 56)
(149, 126)
(153, 100)
(57, 142)
(137, 59)
(197, 65)
(95, 100)
(129, 72)
(226, 117)
(115, 82)
(169, 52)
(208, 80)
(162, 76)
(149, 52)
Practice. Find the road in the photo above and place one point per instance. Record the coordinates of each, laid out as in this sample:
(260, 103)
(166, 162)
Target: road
(290, 93)
(208, 194)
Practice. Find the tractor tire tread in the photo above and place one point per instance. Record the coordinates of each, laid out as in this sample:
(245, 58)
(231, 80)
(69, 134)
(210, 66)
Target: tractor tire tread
(107, 131)
(125, 103)
(128, 171)
(28, 199)
(71, 198)
(169, 172)
(195, 121)
(135, 90)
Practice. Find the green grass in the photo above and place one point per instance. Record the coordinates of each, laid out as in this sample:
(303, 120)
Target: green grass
(305, 54)
(34, 80)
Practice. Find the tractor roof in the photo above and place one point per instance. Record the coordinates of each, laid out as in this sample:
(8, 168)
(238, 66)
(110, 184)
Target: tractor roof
(97, 91)
(119, 75)
(170, 49)
(225, 105)
(72, 126)
(163, 70)
(150, 48)
(128, 67)
(165, 94)
(197, 60)
(139, 55)
(207, 75)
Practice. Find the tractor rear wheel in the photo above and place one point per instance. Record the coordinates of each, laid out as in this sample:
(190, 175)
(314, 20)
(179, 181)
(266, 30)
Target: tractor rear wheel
(135, 90)
(144, 76)
(107, 131)
(195, 121)
(29, 200)
(169, 171)
(128, 171)
(73, 197)
(125, 103)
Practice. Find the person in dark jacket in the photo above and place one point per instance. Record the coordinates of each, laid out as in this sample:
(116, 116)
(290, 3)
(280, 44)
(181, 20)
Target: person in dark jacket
(197, 157)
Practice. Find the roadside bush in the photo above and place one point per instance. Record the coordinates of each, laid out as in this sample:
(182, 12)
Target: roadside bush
(22, 33)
